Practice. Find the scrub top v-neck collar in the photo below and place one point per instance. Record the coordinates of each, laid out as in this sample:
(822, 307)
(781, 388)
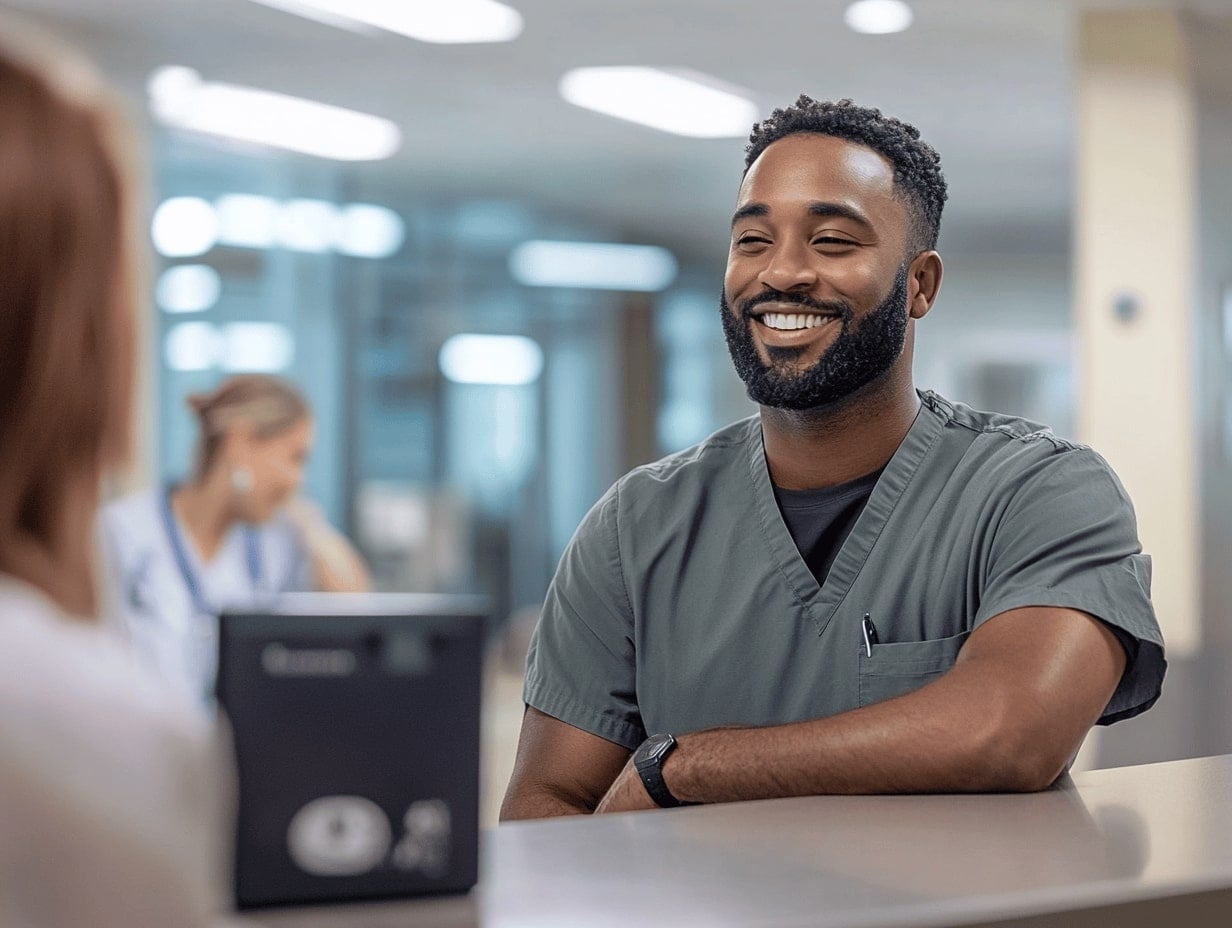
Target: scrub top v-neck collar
(821, 602)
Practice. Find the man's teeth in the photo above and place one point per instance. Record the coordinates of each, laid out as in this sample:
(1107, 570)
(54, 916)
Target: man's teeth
(793, 320)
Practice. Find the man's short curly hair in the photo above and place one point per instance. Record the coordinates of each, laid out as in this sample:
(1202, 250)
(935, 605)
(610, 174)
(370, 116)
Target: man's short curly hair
(917, 166)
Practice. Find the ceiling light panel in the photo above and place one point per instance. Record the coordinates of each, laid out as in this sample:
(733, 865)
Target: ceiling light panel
(592, 265)
(247, 220)
(260, 347)
(188, 226)
(188, 288)
(364, 230)
(450, 22)
(184, 227)
(878, 17)
(181, 99)
(495, 360)
(681, 102)
(307, 225)
(193, 346)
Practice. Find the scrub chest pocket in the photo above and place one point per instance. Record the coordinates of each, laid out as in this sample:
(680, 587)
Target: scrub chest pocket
(899, 667)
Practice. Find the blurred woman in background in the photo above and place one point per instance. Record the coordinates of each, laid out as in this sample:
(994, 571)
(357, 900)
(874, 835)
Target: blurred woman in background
(109, 782)
(230, 538)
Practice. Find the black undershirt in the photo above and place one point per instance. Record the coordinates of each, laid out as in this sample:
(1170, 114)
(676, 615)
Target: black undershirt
(820, 520)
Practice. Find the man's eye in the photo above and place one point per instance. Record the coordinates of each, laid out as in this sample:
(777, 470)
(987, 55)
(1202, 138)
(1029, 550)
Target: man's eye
(831, 240)
(753, 240)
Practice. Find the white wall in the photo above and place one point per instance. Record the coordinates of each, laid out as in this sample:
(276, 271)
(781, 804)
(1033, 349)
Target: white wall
(1000, 336)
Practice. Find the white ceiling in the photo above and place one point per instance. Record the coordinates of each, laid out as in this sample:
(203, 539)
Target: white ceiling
(987, 81)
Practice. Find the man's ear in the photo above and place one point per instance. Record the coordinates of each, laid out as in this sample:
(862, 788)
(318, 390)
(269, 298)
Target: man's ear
(923, 283)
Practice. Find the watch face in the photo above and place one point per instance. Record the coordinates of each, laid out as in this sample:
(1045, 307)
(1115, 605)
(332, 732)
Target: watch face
(649, 761)
(655, 746)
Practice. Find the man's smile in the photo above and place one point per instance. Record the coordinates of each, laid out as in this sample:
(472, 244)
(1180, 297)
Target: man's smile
(776, 327)
(789, 321)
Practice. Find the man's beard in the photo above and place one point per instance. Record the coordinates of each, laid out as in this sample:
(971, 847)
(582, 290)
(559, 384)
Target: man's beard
(861, 353)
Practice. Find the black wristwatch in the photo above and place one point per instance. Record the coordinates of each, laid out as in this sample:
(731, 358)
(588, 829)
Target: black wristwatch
(648, 759)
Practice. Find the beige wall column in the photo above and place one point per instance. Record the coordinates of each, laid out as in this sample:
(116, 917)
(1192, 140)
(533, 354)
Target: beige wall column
(639, 380)
(1135, 265)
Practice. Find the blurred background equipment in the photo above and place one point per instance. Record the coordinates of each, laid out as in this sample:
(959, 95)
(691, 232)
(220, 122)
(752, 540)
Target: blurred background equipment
(356, 724)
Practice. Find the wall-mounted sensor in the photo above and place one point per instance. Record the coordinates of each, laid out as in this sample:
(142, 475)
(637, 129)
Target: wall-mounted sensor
(1126, 307)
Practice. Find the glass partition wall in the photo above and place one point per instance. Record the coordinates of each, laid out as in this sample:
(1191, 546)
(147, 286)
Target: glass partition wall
(465, 421)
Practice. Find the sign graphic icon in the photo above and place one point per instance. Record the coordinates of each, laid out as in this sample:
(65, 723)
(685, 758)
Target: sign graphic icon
(339, 836)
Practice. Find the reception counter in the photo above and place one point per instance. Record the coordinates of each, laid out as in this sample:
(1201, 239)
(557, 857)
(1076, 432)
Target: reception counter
(1130, 846)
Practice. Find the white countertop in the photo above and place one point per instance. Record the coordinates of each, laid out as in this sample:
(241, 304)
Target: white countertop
(1108, 837)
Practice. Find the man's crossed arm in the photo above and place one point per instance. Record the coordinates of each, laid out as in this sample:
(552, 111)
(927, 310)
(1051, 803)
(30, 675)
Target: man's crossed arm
(1008, 717)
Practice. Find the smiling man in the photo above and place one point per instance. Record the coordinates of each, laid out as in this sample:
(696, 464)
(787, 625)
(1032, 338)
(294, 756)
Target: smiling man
(863, 589)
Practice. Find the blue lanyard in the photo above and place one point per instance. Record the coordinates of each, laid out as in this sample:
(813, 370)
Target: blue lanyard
(251, 549)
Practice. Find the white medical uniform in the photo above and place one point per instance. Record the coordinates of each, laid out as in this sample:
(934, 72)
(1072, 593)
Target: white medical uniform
(116, 792)
(151, 599)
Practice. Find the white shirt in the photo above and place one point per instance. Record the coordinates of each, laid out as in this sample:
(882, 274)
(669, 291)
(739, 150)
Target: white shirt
(114, 789)
(148, 595)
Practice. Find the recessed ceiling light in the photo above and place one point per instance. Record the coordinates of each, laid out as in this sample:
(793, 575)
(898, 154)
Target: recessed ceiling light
(247, 220)
(445, 21)
(183, 227)
(188, 288)
(679, 101)
(592, 265)
(878, 17)
(360, 230)
(181, 99)
(307, 225)
(365, 230)
(193, 346)
(498, 360)
(260, 347)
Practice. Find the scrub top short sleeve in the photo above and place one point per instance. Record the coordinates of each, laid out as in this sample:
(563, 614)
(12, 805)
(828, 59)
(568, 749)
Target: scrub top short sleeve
(1069, 539)
(581, 665)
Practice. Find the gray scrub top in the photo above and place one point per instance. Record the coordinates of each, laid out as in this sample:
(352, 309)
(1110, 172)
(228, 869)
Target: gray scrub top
(682, 602)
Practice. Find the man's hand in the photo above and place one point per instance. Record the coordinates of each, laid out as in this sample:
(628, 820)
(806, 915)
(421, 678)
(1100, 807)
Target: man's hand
(626, 794)
(336, 565)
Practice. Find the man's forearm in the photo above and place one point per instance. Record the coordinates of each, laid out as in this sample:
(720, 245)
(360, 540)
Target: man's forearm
(541, 803)
(934, 740)
(559, 770)
(1008, 716)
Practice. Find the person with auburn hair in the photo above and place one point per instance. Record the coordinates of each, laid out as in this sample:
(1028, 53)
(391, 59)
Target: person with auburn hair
(110, 783)
(231, 537)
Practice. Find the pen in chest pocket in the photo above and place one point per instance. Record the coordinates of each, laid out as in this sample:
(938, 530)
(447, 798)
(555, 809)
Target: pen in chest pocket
(870, 634)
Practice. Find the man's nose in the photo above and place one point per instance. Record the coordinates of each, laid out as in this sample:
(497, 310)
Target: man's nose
(789, 269)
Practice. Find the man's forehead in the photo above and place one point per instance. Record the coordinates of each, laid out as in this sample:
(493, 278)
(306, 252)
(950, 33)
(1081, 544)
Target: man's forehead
(812, 166)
